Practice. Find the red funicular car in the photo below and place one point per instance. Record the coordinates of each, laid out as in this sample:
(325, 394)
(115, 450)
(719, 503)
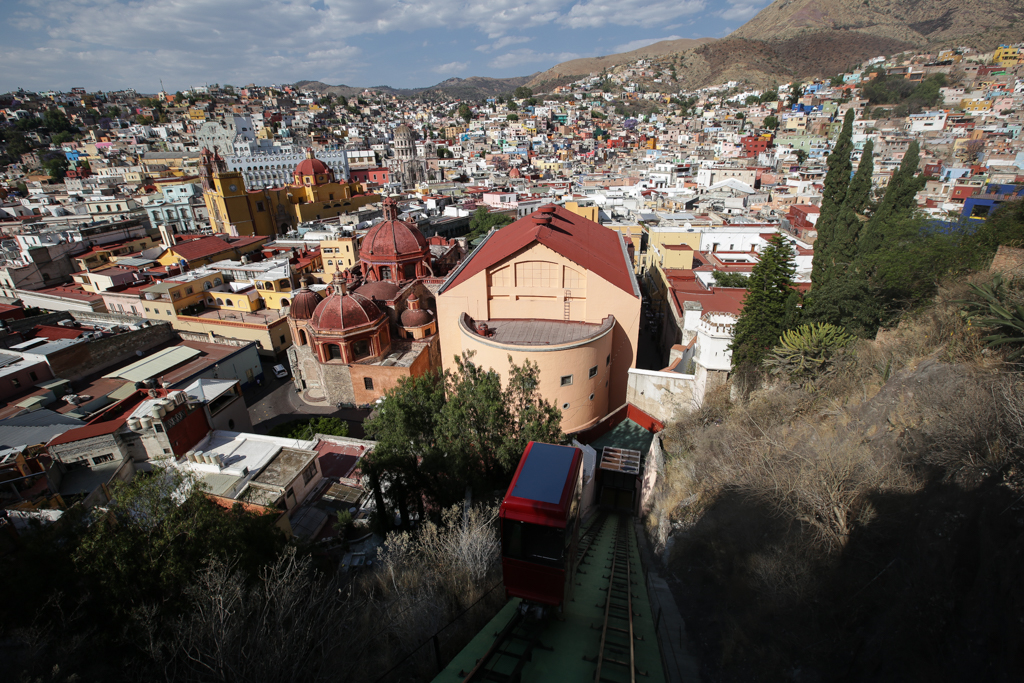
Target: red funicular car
(540, 524)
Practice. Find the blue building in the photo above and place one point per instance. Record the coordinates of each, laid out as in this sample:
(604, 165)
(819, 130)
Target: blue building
(982, 205)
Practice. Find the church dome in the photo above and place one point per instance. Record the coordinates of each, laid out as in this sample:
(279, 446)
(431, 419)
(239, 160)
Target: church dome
(416, 318)
(392, 238)
(382, 291)
(313, 168)
(304, 304)
(341, 311)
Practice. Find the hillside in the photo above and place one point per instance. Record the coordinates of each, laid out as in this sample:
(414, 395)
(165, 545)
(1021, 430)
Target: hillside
(798, 39)
(473, 88)
(589, 65)
(916, 22)
(866, 530)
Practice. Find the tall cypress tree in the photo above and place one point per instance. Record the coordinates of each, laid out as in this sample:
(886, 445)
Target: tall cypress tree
(837, 182)
(899, 201)
(831, 298)
(764, 307)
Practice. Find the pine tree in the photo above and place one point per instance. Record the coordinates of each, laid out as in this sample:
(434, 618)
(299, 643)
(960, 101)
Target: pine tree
(764, 307)
(837, 182)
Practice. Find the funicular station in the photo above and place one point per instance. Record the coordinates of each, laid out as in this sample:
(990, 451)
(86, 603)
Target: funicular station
(578, 607)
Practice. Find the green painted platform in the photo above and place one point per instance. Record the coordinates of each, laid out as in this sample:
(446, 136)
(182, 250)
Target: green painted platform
(578, 633)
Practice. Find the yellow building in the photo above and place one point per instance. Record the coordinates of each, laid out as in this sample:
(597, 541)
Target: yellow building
(1007, 56)
(975, 105)
(339, 255)
(589, 212)
(314, 194)
(102, 256)
(557, 290)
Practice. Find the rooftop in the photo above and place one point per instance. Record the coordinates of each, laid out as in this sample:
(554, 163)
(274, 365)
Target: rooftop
(542, 332)
(285, 467)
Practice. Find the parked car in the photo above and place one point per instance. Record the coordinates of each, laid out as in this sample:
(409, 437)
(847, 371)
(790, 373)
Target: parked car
(280, 371)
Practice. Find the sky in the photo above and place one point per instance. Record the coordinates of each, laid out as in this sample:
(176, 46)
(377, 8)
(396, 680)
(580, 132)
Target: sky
(115, 44)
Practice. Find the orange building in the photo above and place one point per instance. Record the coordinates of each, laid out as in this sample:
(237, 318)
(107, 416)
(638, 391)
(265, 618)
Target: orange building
(558, 290)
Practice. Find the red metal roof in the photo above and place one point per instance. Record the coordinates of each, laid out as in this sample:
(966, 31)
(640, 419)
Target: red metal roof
(584, 242)
(534, 510)
(200, 248)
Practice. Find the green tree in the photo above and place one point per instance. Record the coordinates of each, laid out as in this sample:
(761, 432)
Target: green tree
(162, 528)
(440, 433)
(837, 181)
(724, 279)
(56, 165)
(512, 117)
(764, 307)
(832, 299)
(307, 429)
(483, 220)
(61, 137)
(522, 93)
(465, 113)
(771, 122)
(801, 155)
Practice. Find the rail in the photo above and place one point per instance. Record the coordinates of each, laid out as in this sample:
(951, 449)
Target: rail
(511, 650)
(616, 655)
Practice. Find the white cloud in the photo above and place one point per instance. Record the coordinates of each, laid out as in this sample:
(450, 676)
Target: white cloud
(527, 56)
(451, 68)
(597, 13)
(502, 43)
(741, 10)
(643, 42)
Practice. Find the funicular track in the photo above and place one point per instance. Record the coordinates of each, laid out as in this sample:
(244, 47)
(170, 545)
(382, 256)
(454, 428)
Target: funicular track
(616, 655)
(513, 646)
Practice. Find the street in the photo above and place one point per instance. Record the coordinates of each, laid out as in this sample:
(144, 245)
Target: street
(277, 402)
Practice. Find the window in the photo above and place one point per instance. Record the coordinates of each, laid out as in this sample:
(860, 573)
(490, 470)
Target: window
(147, 310)
(169, 312)
(309, 472)
(593, 372)
(565, 406)
(220, 302)
(566, 380)
(231, 424)
(608, 360)
(360, 349)
(177, 295)
(368, 383)
(333, 352)
(102, 459)
(282, 338)
(135, 311)
(229, 302)
(330, 262)
(385, 273)
(591, 397)
(259, 206)
(410, 271)
(290, 493)
(15, 382)
(33, 376)
(188, 290)
(159, 428)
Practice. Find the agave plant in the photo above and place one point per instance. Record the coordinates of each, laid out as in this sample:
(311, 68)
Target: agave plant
(1005, 322)
(808, 350)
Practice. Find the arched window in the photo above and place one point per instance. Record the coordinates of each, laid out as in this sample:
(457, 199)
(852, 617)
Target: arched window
(220, 302)
(284, 302)
(333, 352)
(230, 302)
(385, 273)
(207, 285)
(217, 282)
(360, 349)
(302, 338)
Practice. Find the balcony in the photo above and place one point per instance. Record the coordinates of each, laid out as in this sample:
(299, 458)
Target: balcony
(534, 333)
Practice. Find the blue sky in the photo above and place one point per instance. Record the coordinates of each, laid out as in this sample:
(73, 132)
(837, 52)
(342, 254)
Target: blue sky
(112, 44)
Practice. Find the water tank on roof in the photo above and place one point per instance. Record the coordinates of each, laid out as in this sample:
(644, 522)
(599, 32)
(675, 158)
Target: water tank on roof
(134, 424)
(146, 422)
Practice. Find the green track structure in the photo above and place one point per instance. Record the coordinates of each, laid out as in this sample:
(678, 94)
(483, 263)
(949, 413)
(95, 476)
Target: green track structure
(591, 640)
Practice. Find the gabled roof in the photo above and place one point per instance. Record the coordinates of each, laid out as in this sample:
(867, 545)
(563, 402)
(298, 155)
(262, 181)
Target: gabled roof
(594, 247)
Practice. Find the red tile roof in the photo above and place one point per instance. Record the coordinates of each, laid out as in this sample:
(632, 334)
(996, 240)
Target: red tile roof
(584, 242)
(200, 248)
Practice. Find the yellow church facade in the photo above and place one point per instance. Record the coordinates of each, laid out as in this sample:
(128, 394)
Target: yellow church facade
(313, 194)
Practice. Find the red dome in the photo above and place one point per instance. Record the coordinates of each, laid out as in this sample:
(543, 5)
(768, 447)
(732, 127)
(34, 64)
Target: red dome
(392, 239)
(311, 167)
(382, 291)
(411, 318)
(344, 311)
(304, 304)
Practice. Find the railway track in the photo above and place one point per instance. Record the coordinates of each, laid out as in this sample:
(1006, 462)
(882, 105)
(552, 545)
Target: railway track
(616, 655)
